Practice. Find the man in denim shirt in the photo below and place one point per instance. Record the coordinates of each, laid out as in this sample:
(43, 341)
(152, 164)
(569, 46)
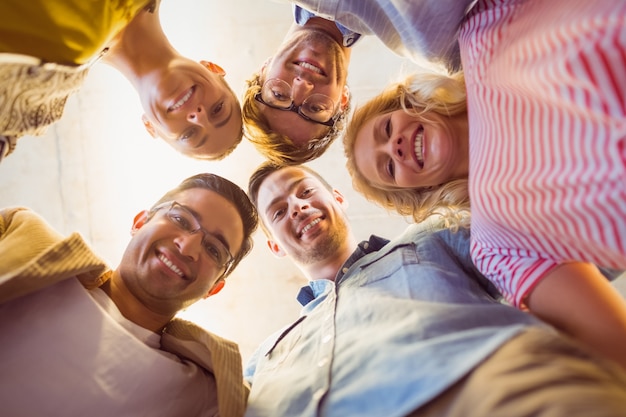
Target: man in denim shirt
(405, 328)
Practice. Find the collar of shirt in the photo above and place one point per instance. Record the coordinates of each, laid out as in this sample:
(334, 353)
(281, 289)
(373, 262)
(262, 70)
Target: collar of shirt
(301, 16)
(311, 291)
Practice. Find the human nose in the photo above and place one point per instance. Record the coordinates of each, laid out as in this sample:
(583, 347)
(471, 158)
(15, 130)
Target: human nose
(190, 244)
(300, 90)
(196, 115)
(298, 206)
(398, 150)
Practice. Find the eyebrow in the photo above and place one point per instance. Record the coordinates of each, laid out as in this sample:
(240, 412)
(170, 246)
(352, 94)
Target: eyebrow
(291, 187)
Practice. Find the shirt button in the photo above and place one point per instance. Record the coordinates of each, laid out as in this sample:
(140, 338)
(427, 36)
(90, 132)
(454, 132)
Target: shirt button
(344, 270)
(366, 245)
(322, 362)
(326, 338)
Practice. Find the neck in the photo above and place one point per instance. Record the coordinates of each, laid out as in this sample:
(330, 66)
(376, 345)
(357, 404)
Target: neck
(328, 267)
(141, 49)
(131, 307)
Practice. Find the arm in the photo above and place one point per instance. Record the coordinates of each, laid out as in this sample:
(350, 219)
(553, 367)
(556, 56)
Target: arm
(577, 299)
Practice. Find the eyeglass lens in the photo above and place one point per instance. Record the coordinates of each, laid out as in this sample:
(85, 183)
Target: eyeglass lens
(317, 107)
(186, 221)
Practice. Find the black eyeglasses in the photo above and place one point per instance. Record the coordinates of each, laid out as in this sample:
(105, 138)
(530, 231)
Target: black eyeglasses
(316, 108)
(185, 220)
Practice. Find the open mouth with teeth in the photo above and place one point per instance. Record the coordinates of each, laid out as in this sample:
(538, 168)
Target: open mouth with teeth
(309, 226)
(418, 146)
(310, 67)
(171, 266)
(181, 101)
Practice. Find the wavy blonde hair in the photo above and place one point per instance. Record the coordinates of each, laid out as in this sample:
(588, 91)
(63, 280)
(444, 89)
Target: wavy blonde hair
(276, 147)
(418, 94)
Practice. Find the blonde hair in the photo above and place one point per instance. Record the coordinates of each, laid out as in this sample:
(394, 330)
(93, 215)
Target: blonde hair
(418, 94)
(276, 147)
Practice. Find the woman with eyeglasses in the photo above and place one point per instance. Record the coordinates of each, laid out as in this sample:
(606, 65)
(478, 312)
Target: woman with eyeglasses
(533, 134)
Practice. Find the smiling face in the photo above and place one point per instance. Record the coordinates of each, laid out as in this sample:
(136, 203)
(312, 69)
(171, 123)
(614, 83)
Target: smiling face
(306, 219)
(193, 110)
(399, 150)
(311, 61)
(167, 269)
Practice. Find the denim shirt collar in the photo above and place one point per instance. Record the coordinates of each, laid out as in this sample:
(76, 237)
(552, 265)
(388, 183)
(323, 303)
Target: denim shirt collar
(315, 288)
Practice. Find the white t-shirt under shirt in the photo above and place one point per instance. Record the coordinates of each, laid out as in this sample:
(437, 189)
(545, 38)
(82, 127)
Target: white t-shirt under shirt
(67, 351)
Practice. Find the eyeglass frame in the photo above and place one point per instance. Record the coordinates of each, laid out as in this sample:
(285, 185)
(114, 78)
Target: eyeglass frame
(293, 108)
(171, 204)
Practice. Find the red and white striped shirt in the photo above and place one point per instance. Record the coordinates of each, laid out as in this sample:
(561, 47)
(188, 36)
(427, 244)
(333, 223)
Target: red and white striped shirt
(546, 88)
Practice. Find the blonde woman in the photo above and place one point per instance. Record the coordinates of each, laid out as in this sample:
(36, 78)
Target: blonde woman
(410, 149)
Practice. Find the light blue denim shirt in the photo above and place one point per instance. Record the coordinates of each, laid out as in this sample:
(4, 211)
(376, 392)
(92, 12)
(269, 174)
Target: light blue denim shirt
(414, 29)
(395, 329)
(301, 16)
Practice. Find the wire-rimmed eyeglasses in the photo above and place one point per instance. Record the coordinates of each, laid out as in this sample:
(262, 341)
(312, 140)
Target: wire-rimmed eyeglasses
(316, 108)
(181, 217)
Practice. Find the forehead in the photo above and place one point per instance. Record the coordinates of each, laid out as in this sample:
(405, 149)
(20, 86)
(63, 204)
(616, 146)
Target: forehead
(280, 184)
(216, 214)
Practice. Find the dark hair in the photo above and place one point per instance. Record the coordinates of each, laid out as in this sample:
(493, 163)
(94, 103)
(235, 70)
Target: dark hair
(232, 193)
(265, 170)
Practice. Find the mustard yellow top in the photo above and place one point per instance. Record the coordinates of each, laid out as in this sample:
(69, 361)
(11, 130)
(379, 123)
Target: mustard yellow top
(69, 32)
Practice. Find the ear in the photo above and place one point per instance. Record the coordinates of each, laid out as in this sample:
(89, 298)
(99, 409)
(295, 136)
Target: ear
(217, 287)
(213, 67)
(149, 128)
(340, 198)
(345, 97)
(276, 250)
(140, 219)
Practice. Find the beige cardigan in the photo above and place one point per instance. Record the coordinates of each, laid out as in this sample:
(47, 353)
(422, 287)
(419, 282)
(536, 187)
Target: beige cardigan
(33, 256)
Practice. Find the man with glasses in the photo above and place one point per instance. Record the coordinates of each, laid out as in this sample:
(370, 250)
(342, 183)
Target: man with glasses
(295, 106)
(81, 339)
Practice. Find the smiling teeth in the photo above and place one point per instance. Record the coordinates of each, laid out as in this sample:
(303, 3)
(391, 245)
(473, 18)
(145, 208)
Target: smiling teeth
(310, 225)
(183, 100)
(419, 150)
(310, 67)
(170, 265)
